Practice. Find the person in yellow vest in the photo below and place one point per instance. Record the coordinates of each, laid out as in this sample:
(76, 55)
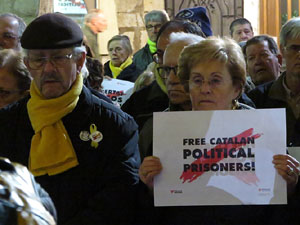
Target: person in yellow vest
(120, 65)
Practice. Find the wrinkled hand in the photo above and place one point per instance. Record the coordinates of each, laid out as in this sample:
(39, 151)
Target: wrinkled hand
(288, 167)
(151, 166)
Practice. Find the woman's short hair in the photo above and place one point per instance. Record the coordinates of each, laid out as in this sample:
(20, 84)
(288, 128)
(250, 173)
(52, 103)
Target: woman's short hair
(160, 16)
(224, 50)
(125, 42)
(290, 30)
(12, 61)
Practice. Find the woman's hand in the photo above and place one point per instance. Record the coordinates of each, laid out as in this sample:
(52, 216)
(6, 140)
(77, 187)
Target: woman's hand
(288, 167)
(150, 167)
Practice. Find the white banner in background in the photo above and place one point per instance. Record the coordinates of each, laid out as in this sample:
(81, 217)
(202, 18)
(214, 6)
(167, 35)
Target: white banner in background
(70, 6)
(117, 90)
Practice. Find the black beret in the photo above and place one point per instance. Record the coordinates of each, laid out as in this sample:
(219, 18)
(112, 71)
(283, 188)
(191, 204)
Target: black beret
(52, 31)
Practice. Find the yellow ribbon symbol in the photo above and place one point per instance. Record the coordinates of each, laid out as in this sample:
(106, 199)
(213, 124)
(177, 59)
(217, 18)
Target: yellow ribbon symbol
(95, 136)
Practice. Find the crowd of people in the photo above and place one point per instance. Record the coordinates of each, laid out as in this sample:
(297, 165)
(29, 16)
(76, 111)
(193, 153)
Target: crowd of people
(92, 162)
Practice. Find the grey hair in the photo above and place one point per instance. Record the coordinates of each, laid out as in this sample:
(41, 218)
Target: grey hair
(84, 70)
(290, 30)
(125, 42)
(188, 38)
(22, 24)
(93, 13)
(79, 49)
(156, 16)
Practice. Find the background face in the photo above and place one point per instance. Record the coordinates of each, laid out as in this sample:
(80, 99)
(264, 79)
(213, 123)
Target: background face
(9, 37)
(9, 88)
(262, 64)
(211, 86)
(292, 58)
(98, 23)
(242, 32)
(51, 81)
(175, 89)
(117, 52)
(152, 30)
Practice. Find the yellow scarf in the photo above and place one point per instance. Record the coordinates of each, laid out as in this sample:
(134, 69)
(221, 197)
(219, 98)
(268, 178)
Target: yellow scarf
(152, 46)
(51, 150)
(117, 70)
(159, 80)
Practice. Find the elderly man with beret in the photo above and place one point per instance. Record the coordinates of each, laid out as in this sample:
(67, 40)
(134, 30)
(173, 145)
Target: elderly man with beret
(82, 150)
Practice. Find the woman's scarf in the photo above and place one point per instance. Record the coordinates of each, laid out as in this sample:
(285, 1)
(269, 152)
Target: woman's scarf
(51, 149)
(117, 70)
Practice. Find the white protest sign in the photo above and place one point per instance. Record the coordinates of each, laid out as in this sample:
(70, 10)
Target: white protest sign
(219, 157)
(117, 90)
(70, 6)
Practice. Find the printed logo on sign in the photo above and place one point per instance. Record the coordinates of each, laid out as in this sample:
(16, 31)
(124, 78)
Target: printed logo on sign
(264, 191)
(176, 191)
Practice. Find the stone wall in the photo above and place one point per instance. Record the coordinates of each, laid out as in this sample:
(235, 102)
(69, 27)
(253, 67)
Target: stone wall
(130, 19)
(28, 9)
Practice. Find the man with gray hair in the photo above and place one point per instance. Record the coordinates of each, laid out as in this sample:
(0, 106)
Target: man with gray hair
(153, 21)
(179, 100)
(11, 30)
(94, 23)
(82, 150)
(285, 93)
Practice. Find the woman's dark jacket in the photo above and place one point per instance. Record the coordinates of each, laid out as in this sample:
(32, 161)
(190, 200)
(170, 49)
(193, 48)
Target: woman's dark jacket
(130, 73)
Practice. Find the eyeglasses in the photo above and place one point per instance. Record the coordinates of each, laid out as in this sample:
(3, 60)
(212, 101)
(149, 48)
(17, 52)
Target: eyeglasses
(59, 61)
(293, 48)
(150, 27)
(158, 56)
(5, 93)
(9, 36)
(164, 71)
(213, 82)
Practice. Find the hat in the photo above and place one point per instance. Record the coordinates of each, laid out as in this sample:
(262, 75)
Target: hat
(197, 15)
(52, 31)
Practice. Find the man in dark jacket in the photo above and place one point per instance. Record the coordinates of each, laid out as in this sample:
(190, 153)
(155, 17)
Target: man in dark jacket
(154, 98)
(263, 59)
(82, 150)
(153, 21)
(285, 93)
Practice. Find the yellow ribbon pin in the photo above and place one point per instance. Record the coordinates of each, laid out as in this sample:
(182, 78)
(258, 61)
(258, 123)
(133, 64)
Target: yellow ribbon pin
(95, 136)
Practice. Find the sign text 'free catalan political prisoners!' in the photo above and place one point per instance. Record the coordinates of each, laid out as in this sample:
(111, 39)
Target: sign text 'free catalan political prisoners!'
(219, 157)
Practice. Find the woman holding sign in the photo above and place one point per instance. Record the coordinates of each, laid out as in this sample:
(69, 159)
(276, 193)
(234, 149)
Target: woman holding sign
(214, 73)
